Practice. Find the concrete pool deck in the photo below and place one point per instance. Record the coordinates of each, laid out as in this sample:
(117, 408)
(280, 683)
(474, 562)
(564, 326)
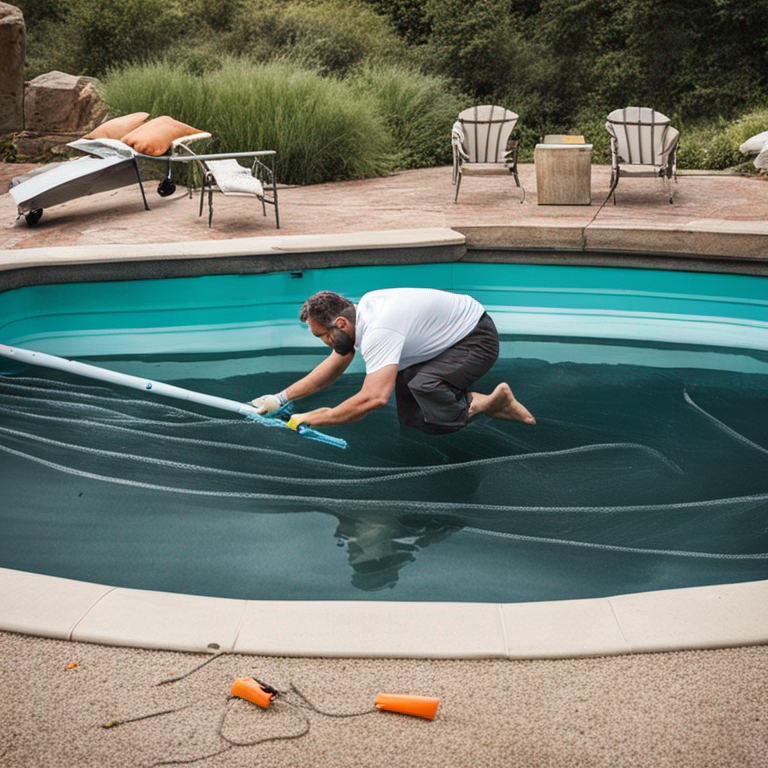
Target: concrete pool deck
(716, 219)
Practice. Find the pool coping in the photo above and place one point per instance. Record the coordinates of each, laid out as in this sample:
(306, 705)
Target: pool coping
(701, 245)
(676, 619)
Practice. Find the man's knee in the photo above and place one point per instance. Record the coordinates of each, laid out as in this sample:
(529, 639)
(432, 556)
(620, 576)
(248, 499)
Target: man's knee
(426, 384)
(441, 402)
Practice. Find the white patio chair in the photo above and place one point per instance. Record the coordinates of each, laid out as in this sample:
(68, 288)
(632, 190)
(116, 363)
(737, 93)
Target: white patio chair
(481, 145)
(643, 143)
(227, 176)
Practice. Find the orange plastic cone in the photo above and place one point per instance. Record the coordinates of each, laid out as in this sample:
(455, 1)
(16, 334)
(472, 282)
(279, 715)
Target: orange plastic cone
(247, 688)
(418, 706)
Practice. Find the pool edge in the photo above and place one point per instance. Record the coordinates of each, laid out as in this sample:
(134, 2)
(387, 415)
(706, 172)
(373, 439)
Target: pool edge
(690, 618)
(715, 246)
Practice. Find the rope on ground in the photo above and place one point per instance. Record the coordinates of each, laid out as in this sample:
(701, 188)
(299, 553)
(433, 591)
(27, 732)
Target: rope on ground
(232, 743)
(303, 703)
(309, 705)
(600, 208)
(182, 675)
(115, 723)
(265, 739)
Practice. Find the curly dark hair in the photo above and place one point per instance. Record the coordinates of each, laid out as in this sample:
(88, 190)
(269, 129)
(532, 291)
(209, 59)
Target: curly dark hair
(325, 307)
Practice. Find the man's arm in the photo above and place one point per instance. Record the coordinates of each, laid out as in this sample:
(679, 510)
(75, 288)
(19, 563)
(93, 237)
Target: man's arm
(374, 394)
(320, 377)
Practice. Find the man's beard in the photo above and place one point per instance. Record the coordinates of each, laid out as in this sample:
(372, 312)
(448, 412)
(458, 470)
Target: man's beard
(341, 342)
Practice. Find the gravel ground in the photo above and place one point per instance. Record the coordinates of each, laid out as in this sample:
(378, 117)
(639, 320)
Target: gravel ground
(693, 708)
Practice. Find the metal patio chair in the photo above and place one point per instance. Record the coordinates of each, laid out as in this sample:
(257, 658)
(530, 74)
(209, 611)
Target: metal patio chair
(643, 143)
(224, 174)
(481, 144)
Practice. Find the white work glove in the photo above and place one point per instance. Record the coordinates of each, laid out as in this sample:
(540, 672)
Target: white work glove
(269, 403)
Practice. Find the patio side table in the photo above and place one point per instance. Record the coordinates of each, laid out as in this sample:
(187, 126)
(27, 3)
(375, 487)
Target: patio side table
(563, 171)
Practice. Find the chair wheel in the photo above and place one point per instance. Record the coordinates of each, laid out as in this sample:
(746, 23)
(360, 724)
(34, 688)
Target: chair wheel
(166, 187)
(33, 217)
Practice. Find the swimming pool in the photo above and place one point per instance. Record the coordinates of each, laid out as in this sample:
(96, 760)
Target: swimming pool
(646, 470)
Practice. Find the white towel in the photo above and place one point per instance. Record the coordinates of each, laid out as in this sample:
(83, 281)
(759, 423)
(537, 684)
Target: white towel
(457, 133)
(233, 179)
(102, 147)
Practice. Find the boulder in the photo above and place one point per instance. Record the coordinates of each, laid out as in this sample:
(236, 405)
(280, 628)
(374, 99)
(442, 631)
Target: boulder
(759, 144)
(39, 146)
(754, 144)
(13, 44)
(761, 161)
(59, 103)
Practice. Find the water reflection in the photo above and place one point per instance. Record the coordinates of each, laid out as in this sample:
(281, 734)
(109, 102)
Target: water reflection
(379, 547)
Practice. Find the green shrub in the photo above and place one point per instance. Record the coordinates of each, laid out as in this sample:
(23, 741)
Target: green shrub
(473, 43)
(36, 11)
(322, 129)
(746, 126)
(418, 109)
(715, 145)
(197, 54)
(47, 50)
(216, 15)
(591, 124)
(47, 46)
(107, 33)
(529, 91)
(331, 36)
(409, 17)
(710, 145)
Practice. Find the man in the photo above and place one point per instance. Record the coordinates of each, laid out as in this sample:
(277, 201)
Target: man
(429, 346)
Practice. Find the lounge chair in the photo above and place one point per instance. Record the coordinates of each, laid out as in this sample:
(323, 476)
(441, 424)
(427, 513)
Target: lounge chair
(643, 143)
(223, 173)
(61, 182)
(109, 164)
(481, 145)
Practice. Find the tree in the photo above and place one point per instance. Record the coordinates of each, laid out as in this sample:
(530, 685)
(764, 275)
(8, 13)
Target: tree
(473, 41)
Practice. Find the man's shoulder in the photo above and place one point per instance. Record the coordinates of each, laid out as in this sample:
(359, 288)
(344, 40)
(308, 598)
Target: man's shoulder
(397, 294)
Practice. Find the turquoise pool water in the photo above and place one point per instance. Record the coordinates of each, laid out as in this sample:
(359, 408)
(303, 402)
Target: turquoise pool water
(647, 469)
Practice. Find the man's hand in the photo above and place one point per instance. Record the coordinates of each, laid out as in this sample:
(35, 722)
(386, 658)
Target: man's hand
(375, 392)
(300, 418)
(268, 404)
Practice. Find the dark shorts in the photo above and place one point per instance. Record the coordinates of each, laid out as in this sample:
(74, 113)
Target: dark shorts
(432, 396)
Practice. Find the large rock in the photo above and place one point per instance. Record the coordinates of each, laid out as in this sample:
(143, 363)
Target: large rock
(754, 144)
(13, 48)
(59, 103)
(759, 144)
(39, 146)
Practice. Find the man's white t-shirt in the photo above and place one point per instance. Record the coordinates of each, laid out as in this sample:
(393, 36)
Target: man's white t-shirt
(405, 326)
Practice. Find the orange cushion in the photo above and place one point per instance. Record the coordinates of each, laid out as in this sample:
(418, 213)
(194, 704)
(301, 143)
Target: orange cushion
(155, 137)
(118, 126)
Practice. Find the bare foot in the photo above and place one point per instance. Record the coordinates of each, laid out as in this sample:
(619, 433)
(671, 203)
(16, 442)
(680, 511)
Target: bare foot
(500, 404)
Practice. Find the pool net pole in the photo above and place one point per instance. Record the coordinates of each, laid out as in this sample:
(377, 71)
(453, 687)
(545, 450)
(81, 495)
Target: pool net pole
(44, 360)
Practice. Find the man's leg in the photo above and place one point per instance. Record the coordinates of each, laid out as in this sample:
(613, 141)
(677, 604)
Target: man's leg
(433, 396)
(500, 404)
(426, 401)
(408, 410)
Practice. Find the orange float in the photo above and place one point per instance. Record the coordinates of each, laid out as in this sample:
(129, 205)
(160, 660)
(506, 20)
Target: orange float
(418, 706)
(252, 690)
